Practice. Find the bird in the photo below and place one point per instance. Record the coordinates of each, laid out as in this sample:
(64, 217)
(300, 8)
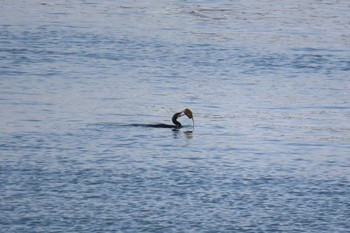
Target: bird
(177, 125)
(186, 112)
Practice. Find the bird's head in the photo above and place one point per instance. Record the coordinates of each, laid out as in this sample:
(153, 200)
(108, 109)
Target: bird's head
(188, 113)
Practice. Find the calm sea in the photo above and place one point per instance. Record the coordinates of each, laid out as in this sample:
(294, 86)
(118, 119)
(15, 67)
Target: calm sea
(268, 83)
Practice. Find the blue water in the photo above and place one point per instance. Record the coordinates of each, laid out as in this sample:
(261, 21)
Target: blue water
(268, 83)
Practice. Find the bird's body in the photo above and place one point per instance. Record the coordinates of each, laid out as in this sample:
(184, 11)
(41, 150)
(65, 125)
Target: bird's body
(155, 125)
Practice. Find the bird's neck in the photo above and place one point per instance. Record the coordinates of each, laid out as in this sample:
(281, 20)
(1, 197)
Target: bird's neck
(174, 120)
(178, 124)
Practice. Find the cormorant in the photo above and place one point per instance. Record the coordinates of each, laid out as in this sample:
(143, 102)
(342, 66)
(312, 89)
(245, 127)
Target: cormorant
(177, 125)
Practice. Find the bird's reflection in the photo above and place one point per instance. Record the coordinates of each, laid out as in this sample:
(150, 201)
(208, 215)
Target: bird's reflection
(177, 134)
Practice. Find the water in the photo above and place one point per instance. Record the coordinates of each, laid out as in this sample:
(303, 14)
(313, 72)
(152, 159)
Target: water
(268, 83)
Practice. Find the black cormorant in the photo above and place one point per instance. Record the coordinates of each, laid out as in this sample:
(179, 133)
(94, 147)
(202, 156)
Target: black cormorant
(177, 125)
